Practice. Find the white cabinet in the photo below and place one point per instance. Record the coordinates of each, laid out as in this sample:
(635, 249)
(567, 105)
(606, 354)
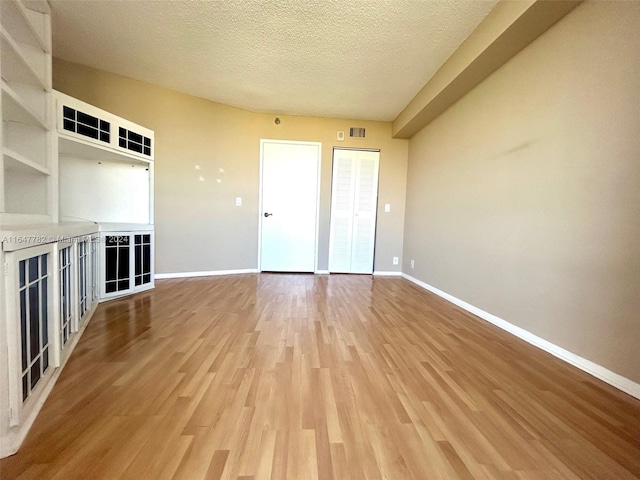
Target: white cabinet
(127, 260)
(85, 124)
(71, 175)
(27, 164)
(66, 283)
(31, 330)
(75, 303)
(117, 155)
(48, 294)
(84, 276)
(354, 199)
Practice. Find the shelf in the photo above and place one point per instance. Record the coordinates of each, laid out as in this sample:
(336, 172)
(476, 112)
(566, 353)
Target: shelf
(125, 227)
(19, 63)
(17, 162)
(12, 221)
(15, 12)
(86, 150)
(14, 109)
(37, 21)
(25, 189)
(39, 230)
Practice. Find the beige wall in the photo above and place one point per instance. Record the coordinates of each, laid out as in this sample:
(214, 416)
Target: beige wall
(523, 198)
(198, 226)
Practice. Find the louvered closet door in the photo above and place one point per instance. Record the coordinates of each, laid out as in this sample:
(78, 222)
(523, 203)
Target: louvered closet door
(353, 211)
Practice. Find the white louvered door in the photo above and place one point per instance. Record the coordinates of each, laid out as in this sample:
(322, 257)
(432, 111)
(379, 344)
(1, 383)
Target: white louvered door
(354, 197)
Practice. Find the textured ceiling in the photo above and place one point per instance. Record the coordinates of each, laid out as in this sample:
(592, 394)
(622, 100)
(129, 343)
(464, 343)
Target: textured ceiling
(328, 58)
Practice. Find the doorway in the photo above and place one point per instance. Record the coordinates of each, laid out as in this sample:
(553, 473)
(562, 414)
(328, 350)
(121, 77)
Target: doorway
(289, 191)
(354, 205)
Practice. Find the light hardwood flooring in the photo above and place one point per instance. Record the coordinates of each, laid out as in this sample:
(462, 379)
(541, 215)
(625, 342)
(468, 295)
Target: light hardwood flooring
(319, 377)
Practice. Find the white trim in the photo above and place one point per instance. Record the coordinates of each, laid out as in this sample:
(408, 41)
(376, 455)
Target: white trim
(322, 272)
(210, 273)
(614, 379)
(318, 187)
(387, 274)
(128, 294)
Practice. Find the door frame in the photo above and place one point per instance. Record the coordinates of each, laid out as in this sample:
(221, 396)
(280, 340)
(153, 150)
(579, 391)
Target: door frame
(260, 208)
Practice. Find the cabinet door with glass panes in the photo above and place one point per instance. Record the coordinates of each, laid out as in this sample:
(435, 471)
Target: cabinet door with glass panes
(95, 269)
(30, 321)
(67, 317)
(142, 260)
(86, 259)
(126, 262)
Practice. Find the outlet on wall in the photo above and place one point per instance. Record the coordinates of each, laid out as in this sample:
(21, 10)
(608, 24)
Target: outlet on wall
(395, 260)
(412, 264)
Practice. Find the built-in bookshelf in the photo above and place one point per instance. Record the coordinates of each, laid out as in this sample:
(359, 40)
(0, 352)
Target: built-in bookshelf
(65, 243)
(28, 189)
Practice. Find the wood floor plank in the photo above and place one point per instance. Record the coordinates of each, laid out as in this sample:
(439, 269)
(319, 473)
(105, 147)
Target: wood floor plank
(279, 376)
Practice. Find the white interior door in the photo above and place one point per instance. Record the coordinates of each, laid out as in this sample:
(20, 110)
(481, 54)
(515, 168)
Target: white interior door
(289, 206)
(354, 200)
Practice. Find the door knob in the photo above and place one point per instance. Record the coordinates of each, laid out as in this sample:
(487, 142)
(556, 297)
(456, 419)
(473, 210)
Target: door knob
(267, 214)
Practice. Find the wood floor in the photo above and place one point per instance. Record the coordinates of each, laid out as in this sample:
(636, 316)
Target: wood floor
(319, 377)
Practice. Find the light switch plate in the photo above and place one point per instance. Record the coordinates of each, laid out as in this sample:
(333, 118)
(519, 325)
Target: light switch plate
(238, 201)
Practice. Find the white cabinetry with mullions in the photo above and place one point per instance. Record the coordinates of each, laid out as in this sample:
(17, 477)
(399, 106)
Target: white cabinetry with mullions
(128, 261)
(76, 216)
(45, 312)
(117, 155)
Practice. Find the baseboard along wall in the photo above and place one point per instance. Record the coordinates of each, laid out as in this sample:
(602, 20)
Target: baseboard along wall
(616, 380)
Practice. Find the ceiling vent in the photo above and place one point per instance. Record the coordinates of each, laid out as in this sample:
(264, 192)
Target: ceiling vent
(356, 132)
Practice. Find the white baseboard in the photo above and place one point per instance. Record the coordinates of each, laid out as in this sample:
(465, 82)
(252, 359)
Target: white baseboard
(211, 273)
(377, 273)
(205, 274)
(598, 371)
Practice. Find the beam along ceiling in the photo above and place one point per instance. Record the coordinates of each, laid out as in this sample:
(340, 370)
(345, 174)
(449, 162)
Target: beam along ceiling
(331, 58)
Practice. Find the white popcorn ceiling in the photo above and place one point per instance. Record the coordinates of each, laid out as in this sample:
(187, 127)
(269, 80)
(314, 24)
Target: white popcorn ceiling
(327, 58)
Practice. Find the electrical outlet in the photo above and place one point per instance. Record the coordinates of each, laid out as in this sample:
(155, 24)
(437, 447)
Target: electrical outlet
(387, 207)
(395, 260)
(238, 201)
(413, 264)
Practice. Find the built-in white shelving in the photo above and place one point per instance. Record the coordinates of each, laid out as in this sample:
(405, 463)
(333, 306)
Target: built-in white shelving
(65, 243)
(21, 109)
(30, 22)
(15, 161)
(23, 63)
(26, 165)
